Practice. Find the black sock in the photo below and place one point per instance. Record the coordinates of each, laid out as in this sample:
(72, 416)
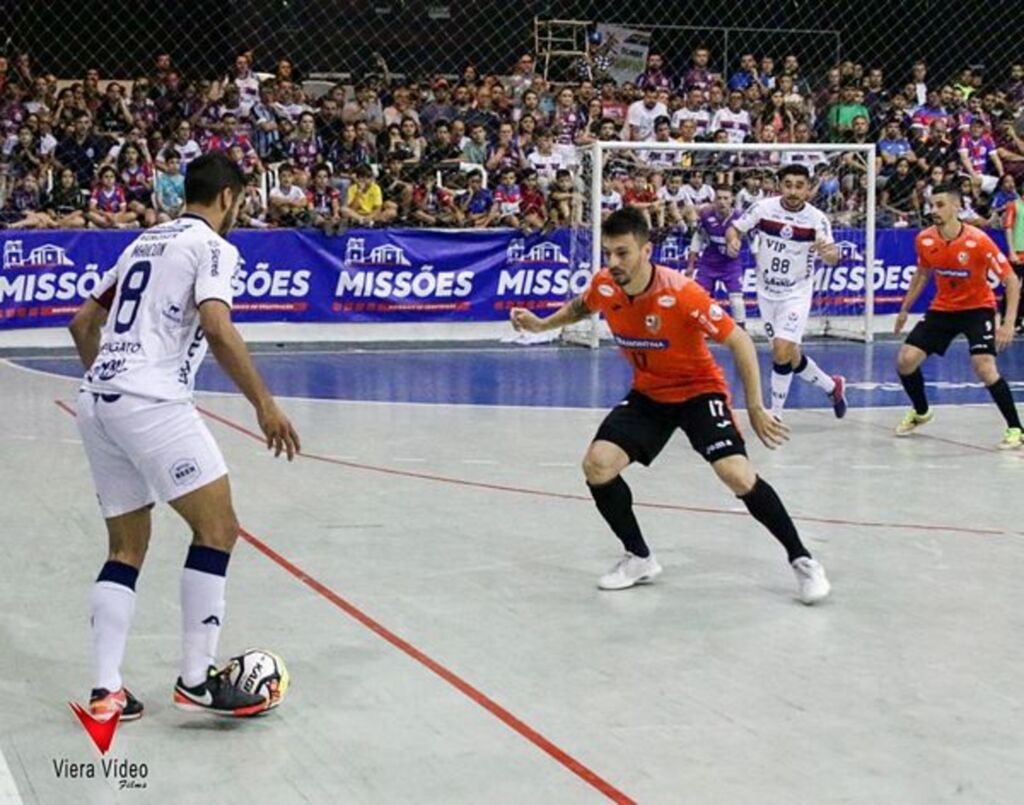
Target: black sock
(768, 510)
(913, 384)
(615, 502)
(1000, 392)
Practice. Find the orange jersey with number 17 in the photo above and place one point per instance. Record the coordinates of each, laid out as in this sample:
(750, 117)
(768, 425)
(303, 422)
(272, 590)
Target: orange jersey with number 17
(662, 332)
(961, 267)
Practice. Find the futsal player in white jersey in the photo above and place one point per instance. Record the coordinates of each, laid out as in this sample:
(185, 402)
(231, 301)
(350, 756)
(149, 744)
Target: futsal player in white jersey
(790, 232)
(141, 338)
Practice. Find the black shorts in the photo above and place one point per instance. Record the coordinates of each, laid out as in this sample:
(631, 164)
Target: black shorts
(642, 427)
(938, 328)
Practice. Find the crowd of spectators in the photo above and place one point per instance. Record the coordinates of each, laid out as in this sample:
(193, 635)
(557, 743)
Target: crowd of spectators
(486, 150)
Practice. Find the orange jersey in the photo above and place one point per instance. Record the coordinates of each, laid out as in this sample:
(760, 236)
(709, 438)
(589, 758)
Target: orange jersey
(662, 332)
(960, 267)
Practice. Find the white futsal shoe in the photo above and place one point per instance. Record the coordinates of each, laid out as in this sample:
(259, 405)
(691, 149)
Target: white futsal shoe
(810, 575)
(629, 571)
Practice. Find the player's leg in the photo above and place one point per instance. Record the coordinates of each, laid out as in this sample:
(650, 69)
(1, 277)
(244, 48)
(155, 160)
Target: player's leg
(125, 500)
(930, 336)
(711, 428)
(791, 322)
(737, 307)
(979, 327)
(632, 431)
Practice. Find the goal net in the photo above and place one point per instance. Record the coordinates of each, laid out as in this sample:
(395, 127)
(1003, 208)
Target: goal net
(673, 182)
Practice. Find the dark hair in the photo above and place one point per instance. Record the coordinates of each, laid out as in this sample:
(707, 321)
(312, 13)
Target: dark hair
(322, 168)
(662, 120)
(105, 170)
(949, 187)
(793, 170)
(209, 175)
(561, 173)
(363, 171)
(627, 221)
(722, 187)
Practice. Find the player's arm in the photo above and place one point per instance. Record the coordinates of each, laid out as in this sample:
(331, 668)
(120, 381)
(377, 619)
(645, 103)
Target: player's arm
(1004, 334)
(771, 431)
(85, 329)
(572, 311)
(229, 349)
(917, 285)
(733, 241)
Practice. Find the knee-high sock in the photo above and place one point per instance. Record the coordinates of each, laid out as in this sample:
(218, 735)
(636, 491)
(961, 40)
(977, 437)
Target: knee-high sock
(782, 377)
(1000, 392)
(766, 507)
(913, 384)
(615, 502)
(203, 582)
(737, 309)
(112, 601)
(810, 372)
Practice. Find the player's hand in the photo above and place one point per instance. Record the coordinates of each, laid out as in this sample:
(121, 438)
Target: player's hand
(732, 249)
(901, 322)
(280, 435)
(523, 319)
(771, 430)
(1004, 335)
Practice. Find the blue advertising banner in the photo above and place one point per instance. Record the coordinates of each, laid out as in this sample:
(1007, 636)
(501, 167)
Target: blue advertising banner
(401, 275)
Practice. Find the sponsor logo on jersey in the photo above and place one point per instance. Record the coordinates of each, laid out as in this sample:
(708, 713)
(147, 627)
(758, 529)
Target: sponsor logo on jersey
(667, 301)
(115, 347)
(109, 369)
(970, 244)
(959, 273)
(963, 257)
(184, 471)
(652, 321)
(786, 232)
(172, 312)
(715, 312)
(640, 343)
(606, 290)
(927, 241)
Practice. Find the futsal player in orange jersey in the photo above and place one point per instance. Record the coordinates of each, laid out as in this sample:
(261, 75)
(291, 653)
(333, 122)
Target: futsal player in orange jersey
(959, 256)
(660, 320)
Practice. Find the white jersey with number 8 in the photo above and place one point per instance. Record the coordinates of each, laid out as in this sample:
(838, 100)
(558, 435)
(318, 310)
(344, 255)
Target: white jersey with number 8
(152, 344)
(785, 254)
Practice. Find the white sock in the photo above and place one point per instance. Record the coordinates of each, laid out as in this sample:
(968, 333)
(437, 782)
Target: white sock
(737, 309)
(202, 611)
(113, 608)
(813, 374)
(780, 387)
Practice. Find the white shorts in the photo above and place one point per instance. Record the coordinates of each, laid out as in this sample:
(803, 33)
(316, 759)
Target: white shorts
(143, 450)
(785, 318)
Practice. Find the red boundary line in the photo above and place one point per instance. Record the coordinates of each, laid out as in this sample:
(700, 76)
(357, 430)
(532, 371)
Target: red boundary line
(569, 496)
(457, 682)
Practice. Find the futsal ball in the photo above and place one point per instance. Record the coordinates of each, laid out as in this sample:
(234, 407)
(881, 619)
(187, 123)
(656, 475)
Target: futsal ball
(260, 672)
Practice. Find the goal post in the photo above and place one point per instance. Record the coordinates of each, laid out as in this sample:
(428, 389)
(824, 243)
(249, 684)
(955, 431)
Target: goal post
(844, 298)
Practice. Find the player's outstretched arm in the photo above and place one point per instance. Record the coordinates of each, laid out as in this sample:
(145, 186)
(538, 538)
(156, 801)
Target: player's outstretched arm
(572, 311)
(733, 241)
(85, 329)
(917, 283)
(233, 356)
(770, 430)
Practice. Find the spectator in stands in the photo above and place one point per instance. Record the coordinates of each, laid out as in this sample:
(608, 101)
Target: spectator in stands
(842, 114)
(1010, 148)
(433, 205)
(746, 75)
(642, 114)
(441, 152)
(412, 140)
(136, 177)
(505, 153)
(476, 149)
(980, 158)
(168, 99)
(892, 146)
(24, 207)
(327, 119)
(1014, 84)
(462, 101)
(346, 154)
(401, 107)
(108, 207)
(291, 102)
(285, 71)
(141, 109)
(481, 112)
(508, 197)
(365, 140)
(81, 151)
(969, 213)
(438, 108)
(899, 201)
(65, 204)
(169, 189)
(766, 77)
(534, 206)
(919, 80)
(1005, 194)
(693, 109)
(734, 120)
(365, 203)
(565, 204)
(641, 194)
(501, 102)
(364, 107)
(266, 134)
(182, 144)
(253, 212)
(777, 114)
(929, 111)
(699, 75)
(248, 85)
(287, 203)
(305, 149)
(526, 135)
(655, 74)
(530, 107)
(24, 158)
(3, 72)
(936, 149)
(522, 76)
(477, 203)
(324, 202)
(545, 160)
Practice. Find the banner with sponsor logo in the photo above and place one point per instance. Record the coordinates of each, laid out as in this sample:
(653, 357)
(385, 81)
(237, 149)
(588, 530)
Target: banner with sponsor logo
(401, 275)
(627, 48)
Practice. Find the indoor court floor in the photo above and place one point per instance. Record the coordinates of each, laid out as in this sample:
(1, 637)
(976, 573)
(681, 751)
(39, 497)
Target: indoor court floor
(428, 571)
